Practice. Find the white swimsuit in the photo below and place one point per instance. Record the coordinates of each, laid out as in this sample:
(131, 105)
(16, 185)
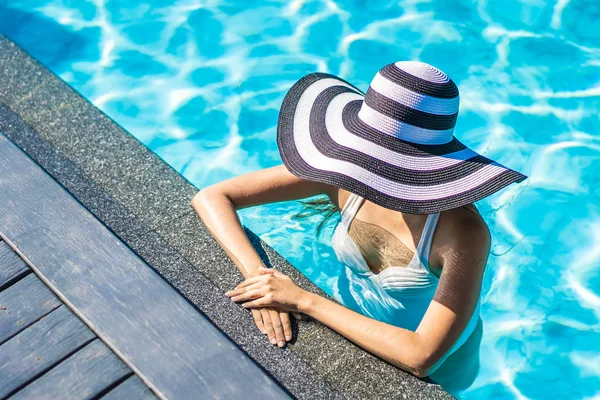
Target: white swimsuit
(412, 287)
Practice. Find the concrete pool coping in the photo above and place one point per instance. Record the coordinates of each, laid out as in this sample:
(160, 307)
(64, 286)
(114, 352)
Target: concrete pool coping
(147, 204)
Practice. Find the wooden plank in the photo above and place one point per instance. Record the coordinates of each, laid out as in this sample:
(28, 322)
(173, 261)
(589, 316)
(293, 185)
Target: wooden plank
(131, 389)
(39, 347)
(24, 303)
(159, 334)
(12, 267)
(83, 375)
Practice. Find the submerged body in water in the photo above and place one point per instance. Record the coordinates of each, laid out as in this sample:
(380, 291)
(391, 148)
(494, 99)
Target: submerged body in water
(394, 284)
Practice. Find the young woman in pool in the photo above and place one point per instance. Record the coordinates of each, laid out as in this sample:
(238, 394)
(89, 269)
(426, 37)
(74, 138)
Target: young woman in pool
(405, 186)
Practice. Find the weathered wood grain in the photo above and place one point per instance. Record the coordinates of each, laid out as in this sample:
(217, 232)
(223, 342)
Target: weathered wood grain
(131, 389)
(39, 347)
(24, 303)
(157, 331)
(83, 375)
(12, 268)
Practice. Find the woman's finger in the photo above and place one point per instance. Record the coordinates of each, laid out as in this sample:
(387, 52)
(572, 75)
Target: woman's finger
(258, 320)
(287, 325)
(265, 271)
(251, 280)
(238, 291)
(250, 295)
(268, 324)
(278, 327)
(297, 316)
(258, 303)
(270, 271)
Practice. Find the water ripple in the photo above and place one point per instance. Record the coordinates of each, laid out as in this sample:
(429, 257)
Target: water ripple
(200, 82)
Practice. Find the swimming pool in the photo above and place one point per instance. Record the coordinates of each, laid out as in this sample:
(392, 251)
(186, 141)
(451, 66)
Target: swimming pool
(200, 83)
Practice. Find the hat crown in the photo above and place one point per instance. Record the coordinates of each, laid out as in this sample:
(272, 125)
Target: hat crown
(423, 70)
(321, 137)
(412, 101)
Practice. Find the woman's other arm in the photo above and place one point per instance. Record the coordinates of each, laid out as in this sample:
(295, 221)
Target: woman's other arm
(217, 204)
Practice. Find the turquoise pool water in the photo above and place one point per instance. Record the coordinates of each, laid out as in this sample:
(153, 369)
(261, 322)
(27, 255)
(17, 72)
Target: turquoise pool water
(200, 83)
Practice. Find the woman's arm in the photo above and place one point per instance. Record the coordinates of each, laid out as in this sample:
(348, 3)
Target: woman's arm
(464, 257)
(217, 204)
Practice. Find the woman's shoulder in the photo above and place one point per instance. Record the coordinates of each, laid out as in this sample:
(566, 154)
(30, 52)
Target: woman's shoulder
(461, 231)
(464, 215)
(464, 223)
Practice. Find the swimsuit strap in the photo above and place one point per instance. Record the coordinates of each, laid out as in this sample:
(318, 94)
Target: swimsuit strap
(424, 246)
(351, 207)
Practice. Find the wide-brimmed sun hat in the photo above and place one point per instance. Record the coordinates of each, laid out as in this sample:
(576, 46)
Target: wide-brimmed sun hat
(394, 146)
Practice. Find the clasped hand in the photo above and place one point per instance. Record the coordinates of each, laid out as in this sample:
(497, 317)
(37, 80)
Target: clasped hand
(271, 296)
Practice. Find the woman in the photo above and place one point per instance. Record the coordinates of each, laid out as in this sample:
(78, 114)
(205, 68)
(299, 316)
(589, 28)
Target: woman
(405, 187)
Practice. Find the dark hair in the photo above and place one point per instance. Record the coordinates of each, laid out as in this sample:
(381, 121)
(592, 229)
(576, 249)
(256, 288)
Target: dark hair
(318, 205)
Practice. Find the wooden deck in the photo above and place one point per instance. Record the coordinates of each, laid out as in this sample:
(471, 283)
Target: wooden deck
(46, 352)
(81, 313)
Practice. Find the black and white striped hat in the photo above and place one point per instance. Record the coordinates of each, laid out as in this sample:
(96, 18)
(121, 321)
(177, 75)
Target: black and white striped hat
(394, 146)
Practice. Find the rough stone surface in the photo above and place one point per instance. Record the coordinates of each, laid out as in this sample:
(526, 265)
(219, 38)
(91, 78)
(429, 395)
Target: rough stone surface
(114, 159)
(15, 64)
(189, 236)
(146, 203)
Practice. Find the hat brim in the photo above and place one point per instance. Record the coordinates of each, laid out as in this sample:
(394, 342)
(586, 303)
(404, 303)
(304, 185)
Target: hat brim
(321, 138)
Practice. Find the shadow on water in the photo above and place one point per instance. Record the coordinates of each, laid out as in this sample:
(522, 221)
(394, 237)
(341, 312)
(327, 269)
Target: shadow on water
(54, 45)
(460, 369)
